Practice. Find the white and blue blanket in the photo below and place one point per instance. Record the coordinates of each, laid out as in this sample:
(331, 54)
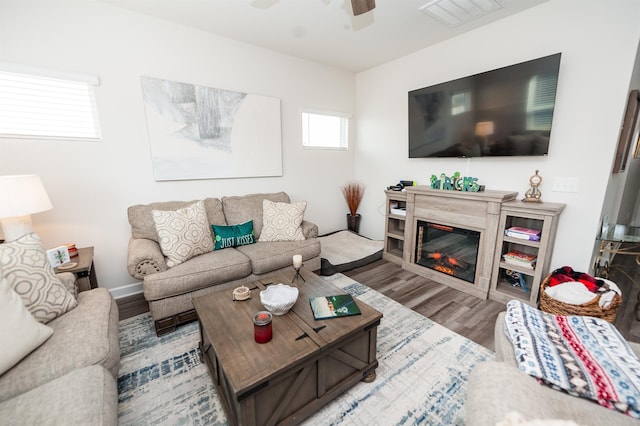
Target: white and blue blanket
(583, 356)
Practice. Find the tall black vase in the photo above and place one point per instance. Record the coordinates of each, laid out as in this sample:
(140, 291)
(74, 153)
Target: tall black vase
(353, 222)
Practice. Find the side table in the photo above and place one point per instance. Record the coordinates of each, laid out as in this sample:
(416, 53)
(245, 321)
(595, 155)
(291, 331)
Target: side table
(85, 272)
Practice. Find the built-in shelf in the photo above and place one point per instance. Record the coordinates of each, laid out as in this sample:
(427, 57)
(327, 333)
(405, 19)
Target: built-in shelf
(542, 217)
(488, 212)
(394, 226)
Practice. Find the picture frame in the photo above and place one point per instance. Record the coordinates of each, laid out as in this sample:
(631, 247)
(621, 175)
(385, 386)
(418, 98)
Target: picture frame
(629, 130)
(58, 256)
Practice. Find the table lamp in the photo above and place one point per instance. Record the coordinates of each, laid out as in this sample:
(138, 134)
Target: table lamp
(20, 196)
(484, 129)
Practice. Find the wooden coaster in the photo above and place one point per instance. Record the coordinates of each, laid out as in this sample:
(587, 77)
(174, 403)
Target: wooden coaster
(66, 266)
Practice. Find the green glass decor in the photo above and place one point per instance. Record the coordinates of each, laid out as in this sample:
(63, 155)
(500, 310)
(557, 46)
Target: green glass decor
(455, 183)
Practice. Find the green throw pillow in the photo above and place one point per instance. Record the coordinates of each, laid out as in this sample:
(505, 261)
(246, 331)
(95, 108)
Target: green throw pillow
(233, 235)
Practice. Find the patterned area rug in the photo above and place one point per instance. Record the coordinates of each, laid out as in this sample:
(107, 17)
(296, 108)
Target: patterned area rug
(421, 378)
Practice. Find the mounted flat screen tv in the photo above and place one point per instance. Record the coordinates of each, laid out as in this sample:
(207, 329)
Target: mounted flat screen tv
(504, 112)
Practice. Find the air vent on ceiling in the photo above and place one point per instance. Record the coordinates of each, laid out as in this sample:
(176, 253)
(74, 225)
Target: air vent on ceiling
(457, 12)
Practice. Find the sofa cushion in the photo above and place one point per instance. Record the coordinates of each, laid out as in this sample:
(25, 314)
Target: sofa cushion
(20, 333)
(143, 226)
(69, 282)
(494, 389)
(87, 335)
(226, 236)
(30, 274)
(218, 266)
(183, 233)
(239, 209)
(562, 351)
(281, 221)
(86, 396)
(269, 256)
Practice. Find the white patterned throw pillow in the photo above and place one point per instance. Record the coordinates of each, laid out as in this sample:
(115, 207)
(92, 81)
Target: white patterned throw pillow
(282, 221)
(30, 274)
(20, 333)
(183, 233)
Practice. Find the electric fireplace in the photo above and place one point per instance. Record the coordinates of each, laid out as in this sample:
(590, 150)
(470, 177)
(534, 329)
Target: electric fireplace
(447, 249)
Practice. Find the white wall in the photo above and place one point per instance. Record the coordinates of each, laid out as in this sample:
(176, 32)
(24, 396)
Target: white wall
(598, 42)
(91, 184)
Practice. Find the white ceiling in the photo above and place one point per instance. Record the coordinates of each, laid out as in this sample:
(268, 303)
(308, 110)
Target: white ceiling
(323, 31)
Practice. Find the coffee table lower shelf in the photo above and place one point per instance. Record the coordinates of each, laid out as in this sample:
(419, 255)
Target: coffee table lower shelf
(294, 394)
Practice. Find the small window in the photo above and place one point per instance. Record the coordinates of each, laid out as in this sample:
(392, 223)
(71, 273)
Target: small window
(325, 130)
(45, 104)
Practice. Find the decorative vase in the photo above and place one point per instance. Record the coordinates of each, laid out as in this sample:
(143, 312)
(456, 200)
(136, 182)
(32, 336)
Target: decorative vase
(353, 222)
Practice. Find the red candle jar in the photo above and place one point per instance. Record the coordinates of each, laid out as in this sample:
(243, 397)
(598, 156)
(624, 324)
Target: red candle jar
(262, 331)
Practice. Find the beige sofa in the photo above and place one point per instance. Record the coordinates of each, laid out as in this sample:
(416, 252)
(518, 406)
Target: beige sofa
(169, 291)
(498, 388)
(71, 377)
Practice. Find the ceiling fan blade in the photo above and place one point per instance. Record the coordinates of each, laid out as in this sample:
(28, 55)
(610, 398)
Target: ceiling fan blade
(362, 6)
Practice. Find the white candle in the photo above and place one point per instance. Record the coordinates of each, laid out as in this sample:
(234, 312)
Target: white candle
(297, 260)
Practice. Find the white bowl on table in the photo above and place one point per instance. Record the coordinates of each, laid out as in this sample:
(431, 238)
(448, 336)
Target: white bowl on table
(279, 298)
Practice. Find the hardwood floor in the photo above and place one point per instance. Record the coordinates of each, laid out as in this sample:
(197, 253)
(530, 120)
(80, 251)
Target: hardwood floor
(464, 314)
(131, 306)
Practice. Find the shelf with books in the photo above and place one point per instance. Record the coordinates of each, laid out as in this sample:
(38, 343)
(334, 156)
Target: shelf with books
(528, 257)
(522, 242)
(395, 225)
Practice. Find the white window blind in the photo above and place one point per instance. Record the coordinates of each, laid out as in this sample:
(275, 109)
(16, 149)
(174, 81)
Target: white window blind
(460, 102)
(540, 101)
(325, 130)
(38, 103)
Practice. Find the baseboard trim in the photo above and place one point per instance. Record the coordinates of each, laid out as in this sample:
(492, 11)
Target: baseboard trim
(126, 290)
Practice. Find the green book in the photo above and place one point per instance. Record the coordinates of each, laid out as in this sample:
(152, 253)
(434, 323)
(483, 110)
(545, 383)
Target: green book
(326, 307)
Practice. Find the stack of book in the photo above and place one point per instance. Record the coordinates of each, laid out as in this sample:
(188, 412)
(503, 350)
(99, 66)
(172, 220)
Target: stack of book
(518, 258)
(523, 233)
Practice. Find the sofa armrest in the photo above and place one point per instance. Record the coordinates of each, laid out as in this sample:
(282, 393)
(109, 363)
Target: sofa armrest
(309, 230)
(69, 281)
(144, 258)
(495, 389)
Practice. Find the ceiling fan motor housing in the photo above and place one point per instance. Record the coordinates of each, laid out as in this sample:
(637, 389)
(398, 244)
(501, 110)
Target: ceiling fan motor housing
(362, 6)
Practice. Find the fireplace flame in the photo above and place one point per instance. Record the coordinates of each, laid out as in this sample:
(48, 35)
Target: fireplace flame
(444, 269)
(453, 261)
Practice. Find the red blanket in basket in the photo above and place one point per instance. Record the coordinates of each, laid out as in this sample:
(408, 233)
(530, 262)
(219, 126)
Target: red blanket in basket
(566, 274)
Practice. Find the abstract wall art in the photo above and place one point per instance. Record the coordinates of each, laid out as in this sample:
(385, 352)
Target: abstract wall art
(199, 132)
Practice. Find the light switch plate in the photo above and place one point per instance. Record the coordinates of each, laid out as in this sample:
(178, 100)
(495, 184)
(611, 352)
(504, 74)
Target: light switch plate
(566, 184)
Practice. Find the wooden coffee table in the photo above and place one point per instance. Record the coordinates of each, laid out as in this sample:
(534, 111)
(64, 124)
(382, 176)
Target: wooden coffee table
(306, 364)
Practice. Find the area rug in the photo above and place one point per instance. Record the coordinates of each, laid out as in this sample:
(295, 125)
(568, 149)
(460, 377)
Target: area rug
(421, 379)
(345, 250)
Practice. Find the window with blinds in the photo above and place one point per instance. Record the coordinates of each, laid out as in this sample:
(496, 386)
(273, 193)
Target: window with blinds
(540, 101)
(325, 130)
(36, 103)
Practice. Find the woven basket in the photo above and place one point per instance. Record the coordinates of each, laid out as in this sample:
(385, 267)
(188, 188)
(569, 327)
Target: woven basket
(591, 309)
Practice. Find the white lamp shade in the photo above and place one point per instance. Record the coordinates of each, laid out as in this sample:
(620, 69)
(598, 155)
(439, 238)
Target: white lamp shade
(22, 195)
(484, 128)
